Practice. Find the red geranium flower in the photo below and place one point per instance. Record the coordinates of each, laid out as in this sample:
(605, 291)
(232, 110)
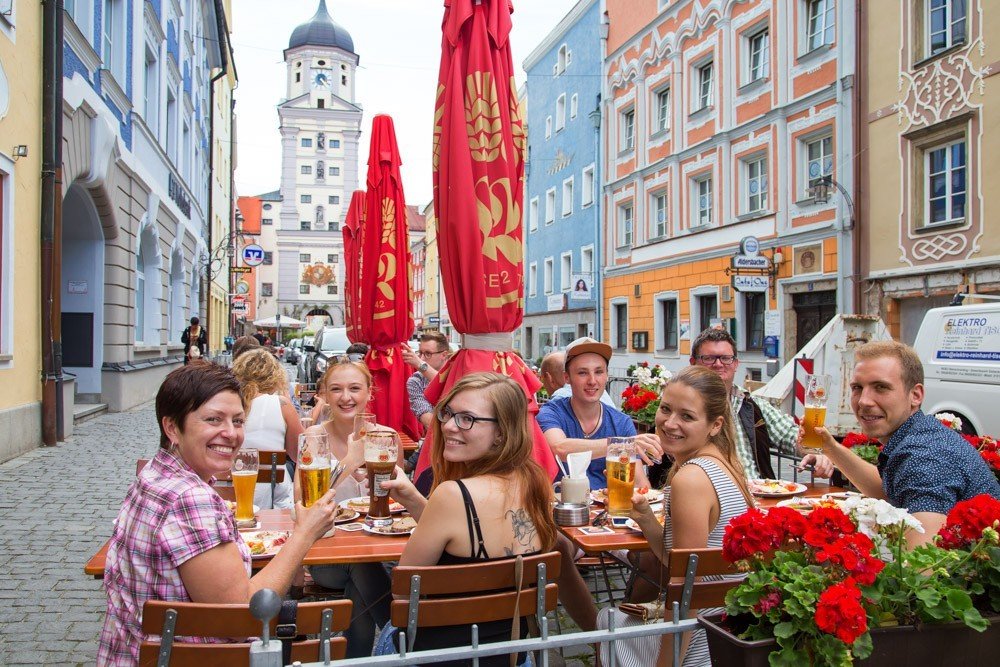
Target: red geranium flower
(826, 525)
(853, 553)
(967, 519)
(768, 602)
(748, 535)
(786, 522)
(839, 612)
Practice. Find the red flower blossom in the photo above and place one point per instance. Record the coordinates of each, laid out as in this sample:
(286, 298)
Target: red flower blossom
(839, 612)
(768, 602)
(826, 525)
(786, 522)
(967, 519)
(853, 553)
(748, 535)
(852, 440)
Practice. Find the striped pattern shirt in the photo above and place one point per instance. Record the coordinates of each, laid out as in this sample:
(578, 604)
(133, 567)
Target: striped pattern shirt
(170, 515)
(782, 428)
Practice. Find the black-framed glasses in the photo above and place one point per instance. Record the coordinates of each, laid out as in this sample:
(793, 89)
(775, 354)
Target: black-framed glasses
(710, 359)
(463, 420)
(428, 355)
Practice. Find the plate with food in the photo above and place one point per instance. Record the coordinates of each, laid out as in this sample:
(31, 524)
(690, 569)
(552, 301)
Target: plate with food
(231, 504)
(401, 526)
(652, 495)
(265, 543)
(806, 505)
(345, 515)
(842, 495)
(360, 504)
(775, 488)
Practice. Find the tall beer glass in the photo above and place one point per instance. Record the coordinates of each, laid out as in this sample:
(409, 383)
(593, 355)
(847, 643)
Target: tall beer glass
(381, 452)
(620, 470)
(364, 423)
(817, 391)
(314, 466)
(244, 472)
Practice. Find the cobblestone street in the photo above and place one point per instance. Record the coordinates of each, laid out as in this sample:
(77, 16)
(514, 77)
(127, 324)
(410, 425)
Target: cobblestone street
(56, 509)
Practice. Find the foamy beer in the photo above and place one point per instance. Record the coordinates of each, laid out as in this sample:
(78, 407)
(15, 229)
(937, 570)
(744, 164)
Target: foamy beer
(313, 467)
(817, 391)
(381, 452)
(244, 473)
(619, 468)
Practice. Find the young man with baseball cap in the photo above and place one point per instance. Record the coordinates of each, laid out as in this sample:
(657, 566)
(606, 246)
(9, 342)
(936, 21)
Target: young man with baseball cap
(582, 422)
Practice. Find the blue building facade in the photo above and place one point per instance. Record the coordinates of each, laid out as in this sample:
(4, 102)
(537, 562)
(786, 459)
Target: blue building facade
(136, 172)
(561, 198)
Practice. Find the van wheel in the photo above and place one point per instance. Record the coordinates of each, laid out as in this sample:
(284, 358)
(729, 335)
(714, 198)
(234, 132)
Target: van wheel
(967, 428)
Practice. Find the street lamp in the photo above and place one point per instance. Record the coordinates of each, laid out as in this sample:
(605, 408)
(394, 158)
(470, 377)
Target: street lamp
(821, 194)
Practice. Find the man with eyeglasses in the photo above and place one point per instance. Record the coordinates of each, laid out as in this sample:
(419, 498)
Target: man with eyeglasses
(759, 425)
(433, 352)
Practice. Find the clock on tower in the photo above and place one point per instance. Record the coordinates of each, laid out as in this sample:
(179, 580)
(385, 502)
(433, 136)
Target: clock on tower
(321, 78)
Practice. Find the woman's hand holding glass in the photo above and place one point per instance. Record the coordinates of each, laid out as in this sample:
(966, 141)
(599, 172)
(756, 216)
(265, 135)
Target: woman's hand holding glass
(402, 491)
(315, 521)
(649, 448)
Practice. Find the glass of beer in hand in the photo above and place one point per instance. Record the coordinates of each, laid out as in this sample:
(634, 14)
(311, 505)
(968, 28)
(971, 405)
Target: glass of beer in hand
(620, 471)
(244, 473)
(817, 391)
(314, 466)
(381, 452)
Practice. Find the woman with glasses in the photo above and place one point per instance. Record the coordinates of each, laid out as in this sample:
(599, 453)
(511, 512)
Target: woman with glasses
(490, 499)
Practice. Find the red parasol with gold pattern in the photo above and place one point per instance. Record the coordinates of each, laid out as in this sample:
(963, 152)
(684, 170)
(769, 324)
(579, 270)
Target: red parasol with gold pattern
(353, 230)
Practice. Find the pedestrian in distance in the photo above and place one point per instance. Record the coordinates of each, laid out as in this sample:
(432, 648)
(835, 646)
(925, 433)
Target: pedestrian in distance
(195, 340)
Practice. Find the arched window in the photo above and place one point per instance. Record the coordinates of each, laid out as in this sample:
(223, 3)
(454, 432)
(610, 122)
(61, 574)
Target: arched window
(177, 297)
(147, 290)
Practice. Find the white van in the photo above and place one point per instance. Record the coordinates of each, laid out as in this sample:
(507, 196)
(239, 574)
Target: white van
(960, 349)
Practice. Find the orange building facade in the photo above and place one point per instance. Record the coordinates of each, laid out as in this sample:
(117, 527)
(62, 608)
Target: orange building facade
(719, 119)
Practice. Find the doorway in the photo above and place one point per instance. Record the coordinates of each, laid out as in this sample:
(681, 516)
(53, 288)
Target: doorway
(812, 311)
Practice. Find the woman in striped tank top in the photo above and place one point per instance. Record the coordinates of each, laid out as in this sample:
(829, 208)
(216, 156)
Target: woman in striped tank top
(706, 489)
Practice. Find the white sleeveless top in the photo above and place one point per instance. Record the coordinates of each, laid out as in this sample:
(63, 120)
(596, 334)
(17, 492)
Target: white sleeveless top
(265, 430)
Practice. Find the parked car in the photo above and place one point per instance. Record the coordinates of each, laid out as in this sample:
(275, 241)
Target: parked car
(300, 375)
(294, 351)
(330, 343)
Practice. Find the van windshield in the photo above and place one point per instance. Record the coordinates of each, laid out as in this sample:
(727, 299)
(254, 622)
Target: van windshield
(334, 341)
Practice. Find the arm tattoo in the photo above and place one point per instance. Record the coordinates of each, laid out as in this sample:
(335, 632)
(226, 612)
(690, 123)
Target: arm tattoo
(524, 532)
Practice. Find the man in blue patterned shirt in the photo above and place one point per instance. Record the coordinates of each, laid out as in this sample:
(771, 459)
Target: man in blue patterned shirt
(925, 467)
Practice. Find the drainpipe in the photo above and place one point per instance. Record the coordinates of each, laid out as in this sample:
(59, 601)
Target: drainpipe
(51, 221)
(599, 211)
(860, 144)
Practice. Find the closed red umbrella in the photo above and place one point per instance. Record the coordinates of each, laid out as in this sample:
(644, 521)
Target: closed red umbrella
(386, 299)
(353, 229)
(479, 144)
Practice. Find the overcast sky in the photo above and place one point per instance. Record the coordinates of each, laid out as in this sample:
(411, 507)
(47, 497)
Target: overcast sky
(399, 43)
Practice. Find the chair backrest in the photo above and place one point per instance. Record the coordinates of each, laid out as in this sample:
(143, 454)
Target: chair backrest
(682, 568)
(440, 595)
(228, 621)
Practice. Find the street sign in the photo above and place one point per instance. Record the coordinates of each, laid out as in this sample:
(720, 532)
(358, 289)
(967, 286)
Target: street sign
(751, 262)
(433, 319)
(744, 283)
(253, 255)
(240, 269)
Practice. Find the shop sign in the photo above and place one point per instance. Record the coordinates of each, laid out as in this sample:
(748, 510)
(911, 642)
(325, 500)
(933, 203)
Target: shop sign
(555, 302)
(757, 262)
(744, 283)
(253, 255)
(239, 305)
(749, 245)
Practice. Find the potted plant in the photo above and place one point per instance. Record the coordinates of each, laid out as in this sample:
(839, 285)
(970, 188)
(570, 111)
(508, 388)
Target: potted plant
(641, 398)
(838, 586)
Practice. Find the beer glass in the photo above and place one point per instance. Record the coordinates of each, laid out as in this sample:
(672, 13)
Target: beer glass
(381, 453)
(314, 466)
(817, 390)
(244, 473)
(364, 423)
(620, 470)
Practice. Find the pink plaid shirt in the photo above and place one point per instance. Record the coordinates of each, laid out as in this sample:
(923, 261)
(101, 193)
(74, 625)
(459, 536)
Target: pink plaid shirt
(169, 516)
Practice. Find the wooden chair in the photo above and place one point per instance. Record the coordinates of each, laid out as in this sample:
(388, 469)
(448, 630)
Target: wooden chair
(684, 565)
(189, 619)
(441, 595)
(272, 470)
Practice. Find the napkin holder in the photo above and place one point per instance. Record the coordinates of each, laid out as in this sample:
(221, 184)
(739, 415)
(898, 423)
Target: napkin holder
(570, 514)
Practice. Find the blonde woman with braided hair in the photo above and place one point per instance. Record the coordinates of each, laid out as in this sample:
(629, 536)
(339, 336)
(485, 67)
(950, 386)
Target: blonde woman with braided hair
(272, 422)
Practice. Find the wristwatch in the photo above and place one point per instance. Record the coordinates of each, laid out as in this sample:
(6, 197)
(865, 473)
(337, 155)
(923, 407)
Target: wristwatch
(423, 366)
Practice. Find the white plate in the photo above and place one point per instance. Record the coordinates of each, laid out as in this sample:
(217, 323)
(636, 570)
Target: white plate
(806, 505)
(272, 540)
(842, 495)
(231, 504)
(790, 488)
(347, 517)
(369, 529)
(394, 507)
(601, 496)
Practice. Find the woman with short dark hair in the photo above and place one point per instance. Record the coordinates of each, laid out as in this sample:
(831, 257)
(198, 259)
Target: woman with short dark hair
(195, 340)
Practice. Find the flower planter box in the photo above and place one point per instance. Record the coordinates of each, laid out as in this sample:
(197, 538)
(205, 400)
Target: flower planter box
(930, 645)
(642, 427)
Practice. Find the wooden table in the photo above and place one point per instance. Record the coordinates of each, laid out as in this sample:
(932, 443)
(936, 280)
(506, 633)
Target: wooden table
(341, 547)
(409, 444)
(624, 538)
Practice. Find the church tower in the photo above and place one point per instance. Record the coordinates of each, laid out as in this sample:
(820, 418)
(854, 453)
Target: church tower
(320, 130)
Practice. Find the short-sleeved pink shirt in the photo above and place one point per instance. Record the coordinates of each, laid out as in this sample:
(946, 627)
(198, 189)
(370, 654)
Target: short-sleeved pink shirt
(169, 516)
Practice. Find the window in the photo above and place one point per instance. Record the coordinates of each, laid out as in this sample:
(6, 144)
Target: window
(532, 279)
(567, 197)
(151, 92)
(756, 184)
(321, 103)
(659, 227)
(662, 111)
(704, 95)
(562, 59)
(756, 303)
(113, 38)
(668, 324)
(304, 289)
(267, 207)
(267, 289)
(331, 258)
(335, 143)
(587, 187)
(335, 171)
(561, 112)
(547, 276)
(945, 21)
(331, 289)
(147, 291)
(171, 134)
(620, 312)
(298, 77)
(306, 169)
(821, 23)
(268, 258)
(703, 201)
(267, 221)
(140, 297)
(574, 106)
(548, 126)
(587, 261)
(305, 258)
(625, 226)
(566, 271)
(945, 183)
(550, 206)
(820, 162)
(305, 199)
(333, 199)
(708, 310)
(305, 225)
(533, 214)
(307, 142)
(628, 130)
(757, 56)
